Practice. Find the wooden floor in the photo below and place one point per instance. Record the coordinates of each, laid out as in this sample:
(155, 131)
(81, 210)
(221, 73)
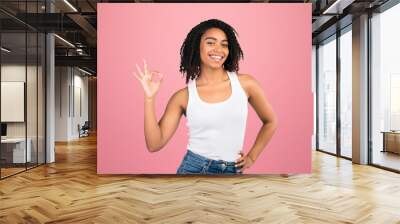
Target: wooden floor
(387, 159)
(5, 172)
(70, 191)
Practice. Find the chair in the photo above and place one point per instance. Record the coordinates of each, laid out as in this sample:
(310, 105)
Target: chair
(84, 130)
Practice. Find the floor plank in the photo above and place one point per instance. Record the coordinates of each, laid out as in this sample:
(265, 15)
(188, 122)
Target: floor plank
(70, 191)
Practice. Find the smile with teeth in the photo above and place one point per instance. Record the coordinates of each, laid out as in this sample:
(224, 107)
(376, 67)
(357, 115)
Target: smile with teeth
(216, 57)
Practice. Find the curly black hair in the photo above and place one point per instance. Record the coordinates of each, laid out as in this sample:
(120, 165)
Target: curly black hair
(190, 50)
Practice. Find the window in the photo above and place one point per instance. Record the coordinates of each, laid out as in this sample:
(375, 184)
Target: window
(327, 95)
(385, 88)
(346, 74)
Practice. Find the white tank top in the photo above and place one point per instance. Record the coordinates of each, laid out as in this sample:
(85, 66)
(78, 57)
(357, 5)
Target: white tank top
(216, 130)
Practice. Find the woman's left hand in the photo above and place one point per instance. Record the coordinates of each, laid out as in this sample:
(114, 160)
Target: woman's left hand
(244, 162)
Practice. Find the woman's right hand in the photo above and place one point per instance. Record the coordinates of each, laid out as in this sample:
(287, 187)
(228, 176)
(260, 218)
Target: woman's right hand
(150, 85)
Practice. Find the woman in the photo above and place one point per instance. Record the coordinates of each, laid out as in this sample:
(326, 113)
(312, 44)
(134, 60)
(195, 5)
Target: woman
(214, 102)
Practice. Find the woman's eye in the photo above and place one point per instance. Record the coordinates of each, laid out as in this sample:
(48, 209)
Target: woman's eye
(225, 45)
(210, 43)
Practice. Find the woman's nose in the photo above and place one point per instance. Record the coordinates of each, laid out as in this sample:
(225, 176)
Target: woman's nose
(218, 49)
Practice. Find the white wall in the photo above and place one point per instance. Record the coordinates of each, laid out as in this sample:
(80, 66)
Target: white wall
(12, 73)
(61, 103)
(71, 87)
(15, 72)
(79, 117)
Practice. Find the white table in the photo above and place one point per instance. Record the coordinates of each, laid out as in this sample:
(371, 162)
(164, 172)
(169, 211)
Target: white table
(18, 145)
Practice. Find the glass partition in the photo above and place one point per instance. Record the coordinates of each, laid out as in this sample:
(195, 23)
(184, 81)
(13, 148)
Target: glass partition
(22, 88)
(14, 154)
(32, 95)
(327, 95)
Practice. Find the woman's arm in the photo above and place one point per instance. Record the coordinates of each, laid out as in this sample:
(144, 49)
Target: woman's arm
(156, 133)
(263, 108)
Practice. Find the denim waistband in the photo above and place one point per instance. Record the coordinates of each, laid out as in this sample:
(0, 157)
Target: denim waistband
(190, 153)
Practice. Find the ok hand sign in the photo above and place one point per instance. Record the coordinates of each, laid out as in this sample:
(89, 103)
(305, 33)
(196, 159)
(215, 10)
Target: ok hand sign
(146, 78)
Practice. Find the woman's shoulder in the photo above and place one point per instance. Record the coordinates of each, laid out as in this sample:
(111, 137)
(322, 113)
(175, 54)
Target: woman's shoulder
(248, 83)
(180, 96)
(182, 92)
(246, 80)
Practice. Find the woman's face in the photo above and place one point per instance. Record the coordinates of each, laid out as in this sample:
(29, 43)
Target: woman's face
(213, 48)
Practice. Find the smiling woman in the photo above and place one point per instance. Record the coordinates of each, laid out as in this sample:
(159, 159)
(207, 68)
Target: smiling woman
(214, 102)
(211, 38)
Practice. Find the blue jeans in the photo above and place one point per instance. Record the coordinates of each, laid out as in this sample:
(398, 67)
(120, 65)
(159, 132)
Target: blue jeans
(193, 163)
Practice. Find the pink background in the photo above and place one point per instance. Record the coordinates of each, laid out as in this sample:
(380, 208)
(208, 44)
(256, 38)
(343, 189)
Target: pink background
(276, 41)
